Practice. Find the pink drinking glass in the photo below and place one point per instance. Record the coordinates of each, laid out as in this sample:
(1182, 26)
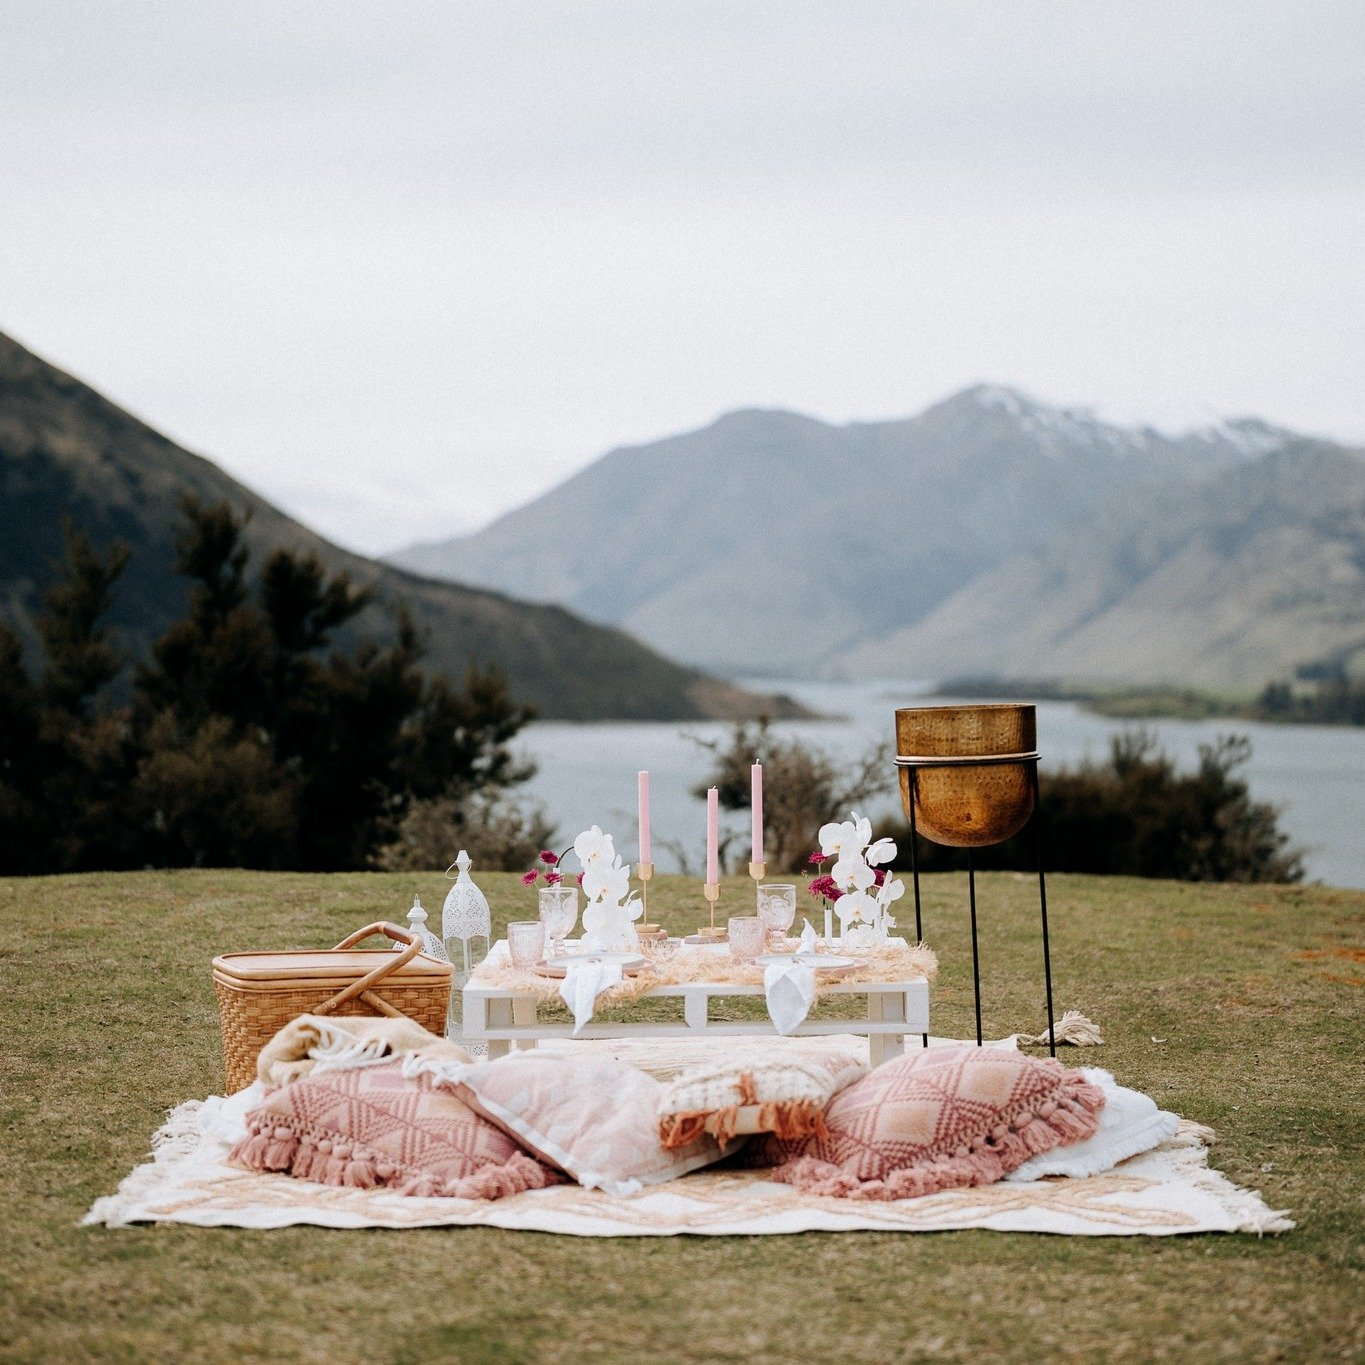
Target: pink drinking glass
(525, 943)
(747, 937)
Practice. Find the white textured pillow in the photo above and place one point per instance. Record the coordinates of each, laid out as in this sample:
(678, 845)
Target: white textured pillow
(1130, 1123)
(758, 1093)
(593, 1118)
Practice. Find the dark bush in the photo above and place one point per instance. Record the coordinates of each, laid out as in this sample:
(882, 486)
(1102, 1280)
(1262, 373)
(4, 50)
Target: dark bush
(246, 741)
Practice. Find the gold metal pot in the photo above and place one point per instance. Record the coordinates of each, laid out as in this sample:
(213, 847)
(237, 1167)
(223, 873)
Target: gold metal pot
(968, 807)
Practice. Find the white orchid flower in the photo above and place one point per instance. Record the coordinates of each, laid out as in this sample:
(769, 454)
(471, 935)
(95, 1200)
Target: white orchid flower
(881, 852)
(593, 846)
(835, 838)
(892, 890)
(606, 883)
(857, 907)
(851, 873)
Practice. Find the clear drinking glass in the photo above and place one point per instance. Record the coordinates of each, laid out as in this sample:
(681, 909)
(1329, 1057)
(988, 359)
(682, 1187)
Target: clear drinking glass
(525, 942)
(747, 935)
(777, 909)
(660, 950)
(559, 914)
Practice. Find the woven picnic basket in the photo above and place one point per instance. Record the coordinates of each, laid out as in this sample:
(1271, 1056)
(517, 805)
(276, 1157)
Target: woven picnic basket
(258, 993)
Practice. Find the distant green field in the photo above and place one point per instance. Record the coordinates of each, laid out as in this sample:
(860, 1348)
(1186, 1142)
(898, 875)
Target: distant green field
(1239, 1006)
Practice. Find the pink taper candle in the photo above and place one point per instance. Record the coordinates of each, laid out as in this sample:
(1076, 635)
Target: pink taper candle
(643, 781)
(712, 837)
(756, 808)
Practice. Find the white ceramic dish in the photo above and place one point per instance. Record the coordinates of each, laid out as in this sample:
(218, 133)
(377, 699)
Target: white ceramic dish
(822, 962)
(558, 966)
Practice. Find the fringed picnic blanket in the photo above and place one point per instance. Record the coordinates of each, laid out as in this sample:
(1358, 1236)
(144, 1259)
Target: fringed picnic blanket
(1164, 1192)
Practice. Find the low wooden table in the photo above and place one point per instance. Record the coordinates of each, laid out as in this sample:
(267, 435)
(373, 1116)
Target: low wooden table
(499, 1016)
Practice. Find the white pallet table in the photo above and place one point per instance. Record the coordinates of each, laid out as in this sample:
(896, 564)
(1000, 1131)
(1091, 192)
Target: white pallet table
(500, 1016)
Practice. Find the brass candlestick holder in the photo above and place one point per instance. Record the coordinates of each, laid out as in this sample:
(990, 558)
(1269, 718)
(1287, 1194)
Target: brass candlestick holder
(647, 929)
(711, 890)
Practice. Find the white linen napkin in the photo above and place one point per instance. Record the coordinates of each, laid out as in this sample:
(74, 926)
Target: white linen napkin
(790, 987)
(583, 983)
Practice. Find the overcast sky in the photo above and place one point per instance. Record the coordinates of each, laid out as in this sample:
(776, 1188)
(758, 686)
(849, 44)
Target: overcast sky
(400, 266)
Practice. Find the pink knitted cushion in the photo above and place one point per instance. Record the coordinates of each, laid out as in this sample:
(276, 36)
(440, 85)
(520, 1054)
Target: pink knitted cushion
(372, 1127)
(938, 1119)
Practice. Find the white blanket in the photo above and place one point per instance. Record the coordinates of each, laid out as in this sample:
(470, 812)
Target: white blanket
(1167, 1191)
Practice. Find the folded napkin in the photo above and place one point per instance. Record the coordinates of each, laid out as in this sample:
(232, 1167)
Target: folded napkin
(790, 987)
(583, 983)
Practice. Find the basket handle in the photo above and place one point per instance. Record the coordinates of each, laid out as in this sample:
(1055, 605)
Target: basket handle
(392, 962)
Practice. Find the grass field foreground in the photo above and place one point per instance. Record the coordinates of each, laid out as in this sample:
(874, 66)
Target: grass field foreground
(1239, 1006)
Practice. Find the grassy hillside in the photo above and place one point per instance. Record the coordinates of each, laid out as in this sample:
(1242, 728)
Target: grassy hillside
(1237, 1006)
(67, 451)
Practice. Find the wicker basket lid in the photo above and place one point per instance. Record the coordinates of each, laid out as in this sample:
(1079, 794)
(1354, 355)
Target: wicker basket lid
(249, 969)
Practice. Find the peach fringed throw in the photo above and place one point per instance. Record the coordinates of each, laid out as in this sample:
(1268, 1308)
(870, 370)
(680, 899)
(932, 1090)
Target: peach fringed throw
(371, 1126)
(895, 962)
(938, 1119)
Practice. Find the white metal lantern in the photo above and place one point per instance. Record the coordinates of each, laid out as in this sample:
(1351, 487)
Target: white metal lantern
(431, 945)
(466, 927)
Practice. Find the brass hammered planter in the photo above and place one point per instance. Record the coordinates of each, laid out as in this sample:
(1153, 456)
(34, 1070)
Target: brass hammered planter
(972, 806)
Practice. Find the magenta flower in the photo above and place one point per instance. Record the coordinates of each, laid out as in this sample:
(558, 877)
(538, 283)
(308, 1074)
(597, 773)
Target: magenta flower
(879, 876)
(553, 878)
(549, 858)
(529, 878)
(816, 857)
(825, 888)
(579, 879)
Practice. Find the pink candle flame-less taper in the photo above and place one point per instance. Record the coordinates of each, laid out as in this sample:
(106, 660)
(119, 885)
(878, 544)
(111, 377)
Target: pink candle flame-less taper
(756, 805)
(643, 783)
(712, 837)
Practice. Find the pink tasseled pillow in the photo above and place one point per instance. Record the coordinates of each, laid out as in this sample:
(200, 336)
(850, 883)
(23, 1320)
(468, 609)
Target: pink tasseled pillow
(937, 1119)
(371, 1127)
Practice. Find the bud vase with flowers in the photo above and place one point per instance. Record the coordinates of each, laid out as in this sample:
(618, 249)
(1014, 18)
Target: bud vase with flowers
(856, 888)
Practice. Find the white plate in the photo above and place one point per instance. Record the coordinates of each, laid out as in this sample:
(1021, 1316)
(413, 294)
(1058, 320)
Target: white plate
(822, 962)
(626, 961)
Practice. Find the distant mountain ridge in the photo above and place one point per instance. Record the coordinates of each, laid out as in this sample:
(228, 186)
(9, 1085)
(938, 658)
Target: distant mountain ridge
(65, 450)
(772, 543)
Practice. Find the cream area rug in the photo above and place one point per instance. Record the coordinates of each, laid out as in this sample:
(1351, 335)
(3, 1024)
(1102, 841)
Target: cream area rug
(1164, 1192)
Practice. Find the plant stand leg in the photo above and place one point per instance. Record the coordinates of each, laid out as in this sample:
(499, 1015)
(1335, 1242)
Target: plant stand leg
(1042, 905)
(976, 959)
(914, 876)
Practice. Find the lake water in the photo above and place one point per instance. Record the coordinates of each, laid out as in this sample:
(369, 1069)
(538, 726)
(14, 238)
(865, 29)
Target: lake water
(587, 772)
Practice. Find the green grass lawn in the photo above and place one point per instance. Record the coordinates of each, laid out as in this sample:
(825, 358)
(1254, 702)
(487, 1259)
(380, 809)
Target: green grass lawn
(1237, 1006)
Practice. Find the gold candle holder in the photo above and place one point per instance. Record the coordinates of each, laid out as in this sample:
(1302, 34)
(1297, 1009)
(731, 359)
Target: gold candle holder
(645, 872)
(711, 890)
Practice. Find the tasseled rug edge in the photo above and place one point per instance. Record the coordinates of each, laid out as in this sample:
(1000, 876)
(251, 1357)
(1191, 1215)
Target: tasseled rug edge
(273, 1146)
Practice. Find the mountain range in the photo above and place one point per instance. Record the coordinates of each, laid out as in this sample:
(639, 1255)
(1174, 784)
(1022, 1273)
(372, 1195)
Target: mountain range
(992, 534)
(66, 451)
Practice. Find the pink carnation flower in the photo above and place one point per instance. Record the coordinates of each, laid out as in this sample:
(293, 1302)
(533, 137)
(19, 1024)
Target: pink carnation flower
(879, 876)
(529, 878)
(816, 857)
(553, 878)
(579, 879)
(825, 888)
(547, 857)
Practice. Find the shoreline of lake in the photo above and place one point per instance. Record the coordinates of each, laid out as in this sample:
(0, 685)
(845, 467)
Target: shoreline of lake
(1315, 773)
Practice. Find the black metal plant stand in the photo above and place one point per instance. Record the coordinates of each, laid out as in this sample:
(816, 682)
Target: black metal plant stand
(913, 766)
